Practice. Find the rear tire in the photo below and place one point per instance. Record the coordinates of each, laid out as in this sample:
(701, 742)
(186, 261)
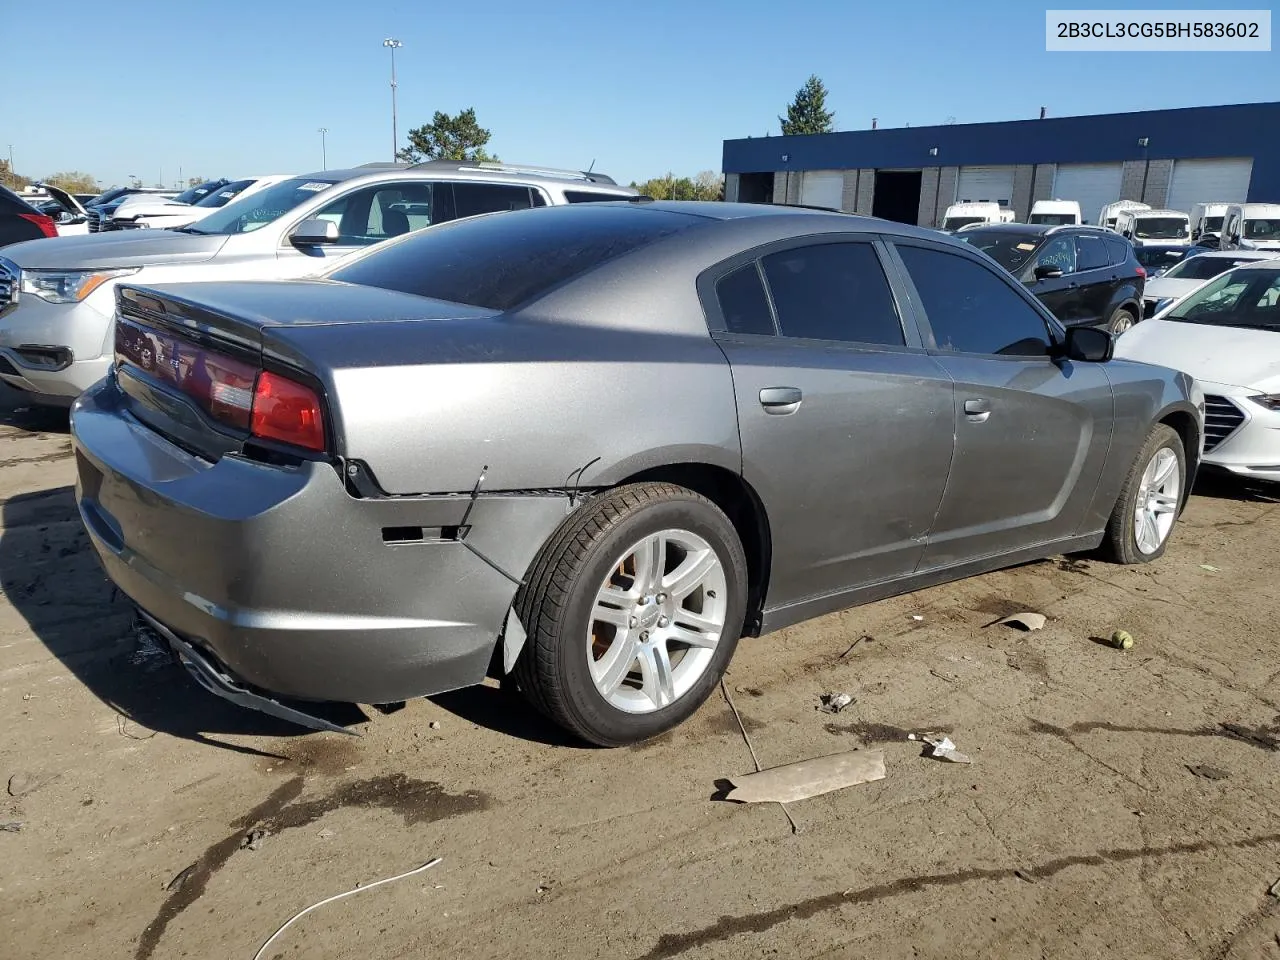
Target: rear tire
(633, 611)
(1122, 320)
(1150, 501)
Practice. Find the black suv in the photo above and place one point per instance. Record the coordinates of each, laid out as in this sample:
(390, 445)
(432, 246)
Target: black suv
(1085, 275)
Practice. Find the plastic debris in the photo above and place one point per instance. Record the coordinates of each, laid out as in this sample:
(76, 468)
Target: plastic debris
(940, 748)
(916, 616)
(12, 826)
(1206, 772)
(1027, 620)
(1209, 566)
(835, 702)
(808, 778)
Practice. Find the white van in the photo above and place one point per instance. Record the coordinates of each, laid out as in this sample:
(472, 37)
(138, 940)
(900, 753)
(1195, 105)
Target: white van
(1109, 214)
(966, 214)
(1056, 213)
(1007, 215)
(1206, 218)
(1251, 226)
(1171, 228)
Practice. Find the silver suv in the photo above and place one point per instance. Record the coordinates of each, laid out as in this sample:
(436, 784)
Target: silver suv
(57, 296)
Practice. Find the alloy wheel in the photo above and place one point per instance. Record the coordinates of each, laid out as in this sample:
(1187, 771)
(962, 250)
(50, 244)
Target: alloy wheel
(1157, 501)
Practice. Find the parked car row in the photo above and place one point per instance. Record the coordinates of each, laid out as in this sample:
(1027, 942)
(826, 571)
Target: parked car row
(57, 299)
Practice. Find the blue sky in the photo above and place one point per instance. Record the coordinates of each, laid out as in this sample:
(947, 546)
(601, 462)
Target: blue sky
(641, 89)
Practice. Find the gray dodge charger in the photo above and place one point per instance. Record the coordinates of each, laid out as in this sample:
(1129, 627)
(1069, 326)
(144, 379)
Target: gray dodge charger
(588, 448)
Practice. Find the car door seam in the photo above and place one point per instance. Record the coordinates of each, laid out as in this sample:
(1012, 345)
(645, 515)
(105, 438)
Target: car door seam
(955, 442)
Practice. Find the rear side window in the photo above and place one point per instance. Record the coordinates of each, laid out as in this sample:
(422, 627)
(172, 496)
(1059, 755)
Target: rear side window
(1092, 253)
(743, 303)
(833, 291)
(501, 262)
(586, 196)
(1117, 251)
(471, 199)
(970, 309)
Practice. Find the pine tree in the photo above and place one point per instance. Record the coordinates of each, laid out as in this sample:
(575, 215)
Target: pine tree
(808, 112)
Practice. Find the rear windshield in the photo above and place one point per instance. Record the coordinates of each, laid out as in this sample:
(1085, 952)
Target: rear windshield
(1009, 249)
(255, 211)
(503, 260)
(1160, 228)
(1204, 268)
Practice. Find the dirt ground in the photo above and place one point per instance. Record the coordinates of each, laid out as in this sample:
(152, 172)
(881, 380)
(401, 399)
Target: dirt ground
(1080, 830)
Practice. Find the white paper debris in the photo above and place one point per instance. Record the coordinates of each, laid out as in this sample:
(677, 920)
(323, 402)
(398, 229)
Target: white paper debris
(835, 702)
(808, 778)
(941, 748)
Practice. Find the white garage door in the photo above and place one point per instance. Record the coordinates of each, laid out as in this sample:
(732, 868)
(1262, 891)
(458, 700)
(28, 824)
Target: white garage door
(822, 188)
(1206, 181)
(1092, 185)
(992, 184)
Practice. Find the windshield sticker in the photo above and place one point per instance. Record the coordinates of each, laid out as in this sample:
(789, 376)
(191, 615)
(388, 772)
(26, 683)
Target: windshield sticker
(313, 187)
(1026, 246)
(226, 193)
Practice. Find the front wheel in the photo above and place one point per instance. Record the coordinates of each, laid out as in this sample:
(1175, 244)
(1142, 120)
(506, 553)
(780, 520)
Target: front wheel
(1150, 500)
(633, 611)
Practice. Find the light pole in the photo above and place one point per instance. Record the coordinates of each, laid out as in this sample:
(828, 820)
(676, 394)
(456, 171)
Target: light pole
(392, 44)
(324, 157)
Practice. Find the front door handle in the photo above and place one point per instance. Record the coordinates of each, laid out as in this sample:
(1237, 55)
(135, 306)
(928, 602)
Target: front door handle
(780, 401)
(977, 410)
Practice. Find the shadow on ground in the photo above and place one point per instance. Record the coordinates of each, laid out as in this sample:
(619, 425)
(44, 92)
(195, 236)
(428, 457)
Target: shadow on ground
(504, 711)
(15, 411)
(1221, 485)
(51, 576)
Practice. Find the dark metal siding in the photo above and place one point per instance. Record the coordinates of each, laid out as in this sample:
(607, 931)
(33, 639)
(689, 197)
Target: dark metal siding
(1238, 130)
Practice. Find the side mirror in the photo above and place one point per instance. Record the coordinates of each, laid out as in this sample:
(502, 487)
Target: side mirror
(311, 232)
(1089, 345)
(1047, 271)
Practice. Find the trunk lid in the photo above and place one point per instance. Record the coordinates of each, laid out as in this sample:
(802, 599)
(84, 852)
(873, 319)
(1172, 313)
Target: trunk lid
(190, 359)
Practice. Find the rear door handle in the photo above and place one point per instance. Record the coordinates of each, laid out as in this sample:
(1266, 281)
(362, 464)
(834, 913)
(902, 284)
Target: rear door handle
(780, 401)
(977, 410)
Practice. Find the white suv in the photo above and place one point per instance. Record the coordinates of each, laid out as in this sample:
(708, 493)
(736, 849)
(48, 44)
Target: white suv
(57, 296)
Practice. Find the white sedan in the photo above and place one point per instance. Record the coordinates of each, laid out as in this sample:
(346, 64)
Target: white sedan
(1226, 334)
(1184, 276)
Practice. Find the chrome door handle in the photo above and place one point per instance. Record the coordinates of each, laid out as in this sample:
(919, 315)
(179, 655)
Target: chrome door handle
(977, 410)
(780, 401)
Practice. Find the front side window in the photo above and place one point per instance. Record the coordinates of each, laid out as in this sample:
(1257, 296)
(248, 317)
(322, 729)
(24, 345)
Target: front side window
(1247, 297)
(971, 309)
(833, 291)
(380, 212)
(1059, 252)
(743, 303)
(255, 211)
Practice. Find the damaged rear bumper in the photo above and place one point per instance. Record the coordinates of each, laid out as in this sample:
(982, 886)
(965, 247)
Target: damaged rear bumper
(292, 584)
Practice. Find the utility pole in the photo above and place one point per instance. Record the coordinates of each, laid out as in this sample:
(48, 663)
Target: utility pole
(393, 44)
(324, 157)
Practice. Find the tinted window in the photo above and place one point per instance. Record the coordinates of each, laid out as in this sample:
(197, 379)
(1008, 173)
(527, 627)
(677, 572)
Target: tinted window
(1058, 252)
(833, 291)
(472, 199)
(743, 303)
(971, 309)
(1092, 253)
(1117, 251)
(586, 196)
(501, 262)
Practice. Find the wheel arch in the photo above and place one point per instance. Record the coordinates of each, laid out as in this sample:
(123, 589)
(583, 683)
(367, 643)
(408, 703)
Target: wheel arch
(730, 492)
(1185, 424)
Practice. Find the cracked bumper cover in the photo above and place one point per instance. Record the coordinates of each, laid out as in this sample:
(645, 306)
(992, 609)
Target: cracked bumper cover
(285, 578)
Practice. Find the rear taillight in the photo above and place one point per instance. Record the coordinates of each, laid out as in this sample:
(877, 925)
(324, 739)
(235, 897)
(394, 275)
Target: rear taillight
(1141, 271)
(45, 223)
(286, 411)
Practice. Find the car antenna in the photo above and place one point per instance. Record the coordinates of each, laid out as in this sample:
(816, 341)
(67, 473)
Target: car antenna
(592, 167)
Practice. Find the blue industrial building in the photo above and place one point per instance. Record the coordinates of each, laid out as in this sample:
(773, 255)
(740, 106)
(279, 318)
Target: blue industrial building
(1165, 158)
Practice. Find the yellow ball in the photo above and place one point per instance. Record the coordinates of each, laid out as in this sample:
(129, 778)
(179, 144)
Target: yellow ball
(1122, 640)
